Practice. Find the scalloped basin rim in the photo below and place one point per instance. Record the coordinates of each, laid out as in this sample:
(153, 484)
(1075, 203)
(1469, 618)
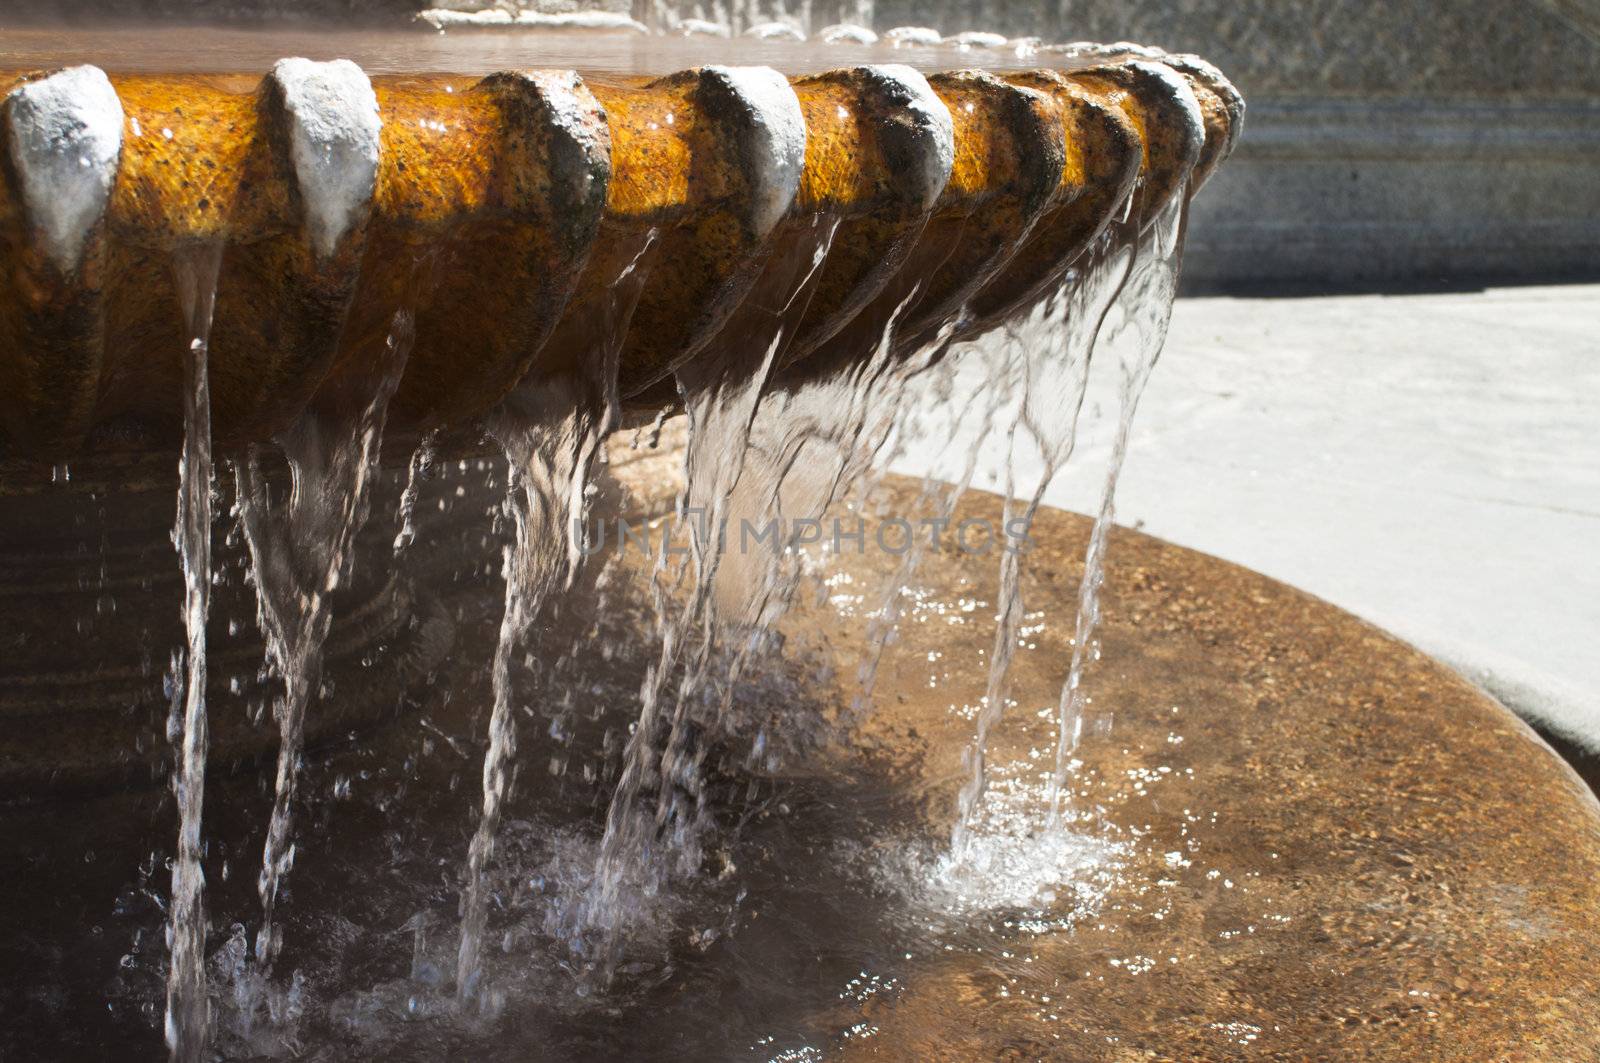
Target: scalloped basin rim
(499, 217)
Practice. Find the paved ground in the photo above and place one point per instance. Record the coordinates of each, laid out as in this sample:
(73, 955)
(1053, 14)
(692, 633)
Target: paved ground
(1429, 462)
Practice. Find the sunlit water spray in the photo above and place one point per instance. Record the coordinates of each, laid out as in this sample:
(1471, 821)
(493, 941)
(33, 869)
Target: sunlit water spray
(188, 1012)
(1007, 863)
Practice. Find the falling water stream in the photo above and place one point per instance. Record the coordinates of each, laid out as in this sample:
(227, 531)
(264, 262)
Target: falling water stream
(546, 457)
(765, 450)
(418, 469)
(551, 429)
(1045, 357)
(936, 499)
(720, 393)
(300, 552)
(1117, 301)
(766, 446)
(188, 1018)
(1135, 334)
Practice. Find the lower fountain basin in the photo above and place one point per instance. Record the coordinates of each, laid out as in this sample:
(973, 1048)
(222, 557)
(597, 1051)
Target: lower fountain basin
(1292, 837)
(1336, 847)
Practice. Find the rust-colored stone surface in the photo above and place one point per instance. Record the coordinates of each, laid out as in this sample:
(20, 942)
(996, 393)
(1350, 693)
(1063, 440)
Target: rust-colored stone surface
(1332, 847)
(1104, 154)
(861, 198)
(678, 171)
(1008, 162)
(860, 205)
(1221, 110)
(502, 212)
(210, 163)
(1172, 147)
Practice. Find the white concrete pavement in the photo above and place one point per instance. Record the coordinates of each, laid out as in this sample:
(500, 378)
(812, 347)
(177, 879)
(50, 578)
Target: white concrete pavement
(1429, 462)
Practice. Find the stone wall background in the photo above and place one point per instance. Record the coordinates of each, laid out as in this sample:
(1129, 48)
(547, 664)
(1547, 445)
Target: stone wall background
(1453, 48)
(1389, 142)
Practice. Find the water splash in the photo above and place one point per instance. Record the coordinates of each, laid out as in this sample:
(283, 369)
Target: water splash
(299, 554)
(1012, 860)
(188, 1011)
(418, 470)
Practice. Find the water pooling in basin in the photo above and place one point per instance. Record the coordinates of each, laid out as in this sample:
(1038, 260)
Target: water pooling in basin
(686, 744)
(835, 858)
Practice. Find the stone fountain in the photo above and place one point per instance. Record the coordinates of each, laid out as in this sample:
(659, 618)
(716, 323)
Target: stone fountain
(500, 211)
(1269, 828)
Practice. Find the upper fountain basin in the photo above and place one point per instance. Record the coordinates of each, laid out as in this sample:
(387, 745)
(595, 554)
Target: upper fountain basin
(501, 212)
